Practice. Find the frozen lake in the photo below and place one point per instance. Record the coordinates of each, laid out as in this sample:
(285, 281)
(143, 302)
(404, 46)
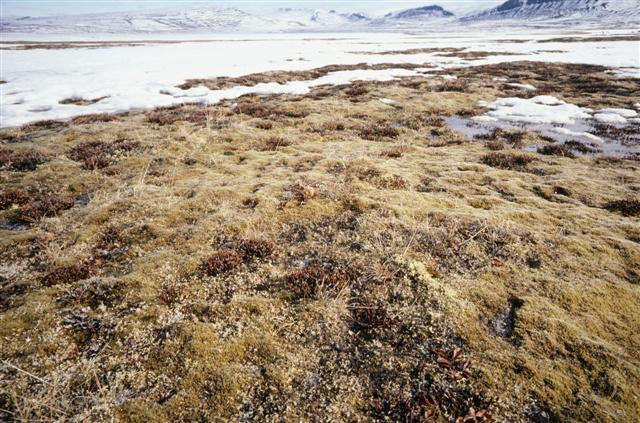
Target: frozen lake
(142, 72)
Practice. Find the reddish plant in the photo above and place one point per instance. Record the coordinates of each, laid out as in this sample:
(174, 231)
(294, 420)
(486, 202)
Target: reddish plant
(46, 206)
(13, 196)
(67, 274)
(250, 249)
(222, 261)
(21, 161)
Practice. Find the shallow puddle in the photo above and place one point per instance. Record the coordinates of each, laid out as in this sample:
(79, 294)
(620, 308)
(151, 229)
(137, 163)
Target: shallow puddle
(580, 131)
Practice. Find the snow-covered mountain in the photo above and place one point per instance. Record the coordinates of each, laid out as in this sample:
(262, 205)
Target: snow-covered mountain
(420, 13)
(174, 20)
(314, 18)
(215, 19)
(559, 9)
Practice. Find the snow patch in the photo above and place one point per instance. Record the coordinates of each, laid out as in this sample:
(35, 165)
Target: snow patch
(157, 95)
(540, 109)
(579, 134)
(627, 113)
(609, 118)
(528, 87)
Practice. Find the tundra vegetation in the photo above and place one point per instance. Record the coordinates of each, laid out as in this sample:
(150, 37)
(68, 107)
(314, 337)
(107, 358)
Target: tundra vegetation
(322, 257)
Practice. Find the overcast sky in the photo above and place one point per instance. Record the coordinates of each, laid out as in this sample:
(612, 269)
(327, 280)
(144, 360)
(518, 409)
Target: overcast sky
(64, 7)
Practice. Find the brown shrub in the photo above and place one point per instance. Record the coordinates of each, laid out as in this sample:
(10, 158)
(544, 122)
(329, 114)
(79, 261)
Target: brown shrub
(435, 121)
(21, 161)
(98, 154)
(368, 316)
(581, 147)
(561, 191)
(93, 118)
(256, 110)
(333, 126)
(378, 131)
(357, 91)
(624, 207)
(92, 154)
(264, 124)
(308, 281)
(259, 110)
(13, 196)
(392, 153)
(272, 144)
(391, 182)
(222, 261)
(170, 294)
(514, 138)
(67, 274)
(250, 249)
(301, 192)
(515, 161)
(495, 145)
(96, 293)
(556, 150)
(171, 115)
(46, 206)
(44, 124)
(458, 85)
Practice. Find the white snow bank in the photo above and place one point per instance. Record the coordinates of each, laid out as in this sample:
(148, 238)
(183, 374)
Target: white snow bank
(156, 95)
(387, 101)
(345, 77)
(627, 113)
(609, 118)
(539, 110)
(484, 118)
(578, 134)
(528, 87)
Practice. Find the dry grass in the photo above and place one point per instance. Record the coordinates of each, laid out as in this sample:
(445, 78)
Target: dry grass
(200, 278)
(93, 118)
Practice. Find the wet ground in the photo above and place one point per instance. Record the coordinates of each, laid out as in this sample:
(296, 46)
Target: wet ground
(583, 131)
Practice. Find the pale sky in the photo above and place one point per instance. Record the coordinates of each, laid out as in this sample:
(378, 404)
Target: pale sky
(68, 7)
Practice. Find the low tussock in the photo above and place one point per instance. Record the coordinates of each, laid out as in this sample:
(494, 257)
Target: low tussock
(244, 251)
(13, 197)
(508, 161)
(45, 206)
(273, 143)
(624, 207)
(326, 277)
(93, 118)
(21, 161)
(556, 150)
(171, 115)
(99, 154)
(67, 274)
(379, 131)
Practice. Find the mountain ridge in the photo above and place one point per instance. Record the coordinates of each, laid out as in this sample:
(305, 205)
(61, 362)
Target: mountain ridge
(232, 19)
